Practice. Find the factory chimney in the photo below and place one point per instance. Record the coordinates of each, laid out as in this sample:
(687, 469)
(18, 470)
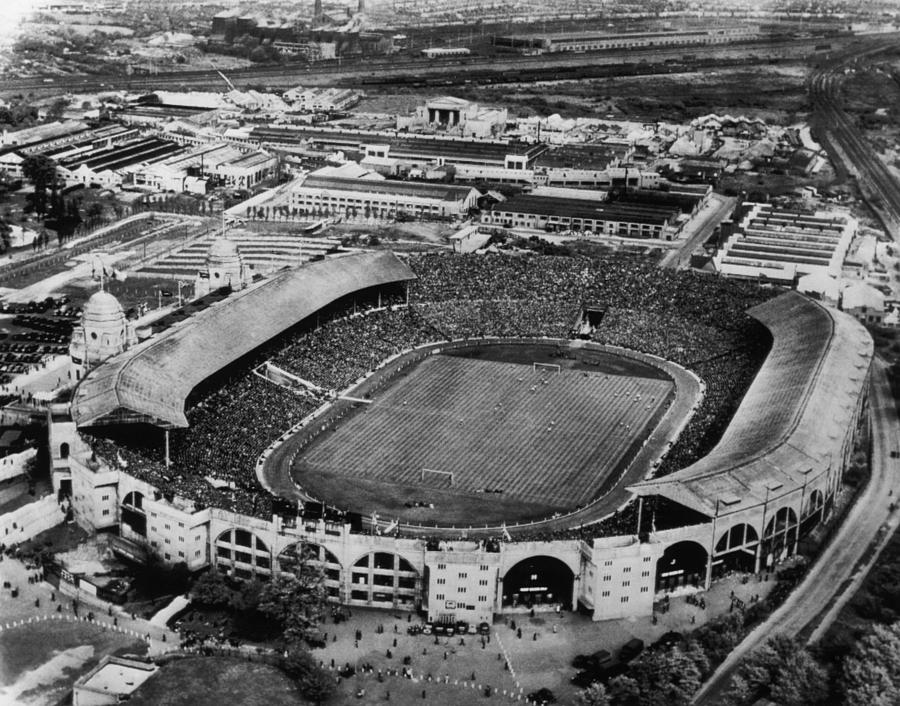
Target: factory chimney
(317, 11)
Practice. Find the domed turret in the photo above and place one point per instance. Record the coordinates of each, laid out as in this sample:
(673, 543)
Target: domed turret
(103, 331)
(103, 308)
(224, 267)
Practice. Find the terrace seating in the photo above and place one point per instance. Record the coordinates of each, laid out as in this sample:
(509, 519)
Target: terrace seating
(697, 321)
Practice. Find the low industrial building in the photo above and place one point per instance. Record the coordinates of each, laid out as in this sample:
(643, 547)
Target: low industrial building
(537, 212)
(780, 245)
(864, 303)
(415, 150)
(598, 41)
(108, 166)
(192, 170)
(369, 195)
(321, 100)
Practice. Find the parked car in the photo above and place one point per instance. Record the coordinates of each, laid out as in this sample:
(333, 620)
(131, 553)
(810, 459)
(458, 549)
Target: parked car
(631, 649)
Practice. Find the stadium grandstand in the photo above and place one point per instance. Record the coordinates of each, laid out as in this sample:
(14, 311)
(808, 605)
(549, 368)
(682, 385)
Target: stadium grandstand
(773, 470)
(150, 383)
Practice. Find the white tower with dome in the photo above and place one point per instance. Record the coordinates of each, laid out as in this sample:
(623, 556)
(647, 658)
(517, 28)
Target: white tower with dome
(224, 268)
(104, 331)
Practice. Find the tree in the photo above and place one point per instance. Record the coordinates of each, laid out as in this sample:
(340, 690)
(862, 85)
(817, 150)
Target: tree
(313, 682)
(296, 599)
(871, 672)
(212, 589)
(781, 670)
(5, 233)
(40, 170)
(666, 678)
(624, 691)
(594, 695)
(56, 109)
(95, 211)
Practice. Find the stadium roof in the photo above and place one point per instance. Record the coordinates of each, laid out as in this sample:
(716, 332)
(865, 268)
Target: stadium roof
(792, 423)
(151, 381)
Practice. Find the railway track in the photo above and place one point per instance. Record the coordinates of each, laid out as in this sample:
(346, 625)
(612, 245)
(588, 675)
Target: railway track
(878, 185)
(450, 71)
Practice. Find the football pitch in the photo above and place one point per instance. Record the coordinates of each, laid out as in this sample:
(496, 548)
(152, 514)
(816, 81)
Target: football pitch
(485, 429)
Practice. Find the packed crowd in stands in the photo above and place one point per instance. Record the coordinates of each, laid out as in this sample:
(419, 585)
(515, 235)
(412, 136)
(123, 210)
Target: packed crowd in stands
(696, 320)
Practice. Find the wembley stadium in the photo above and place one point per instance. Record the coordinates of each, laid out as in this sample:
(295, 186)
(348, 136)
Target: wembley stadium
(539, 416)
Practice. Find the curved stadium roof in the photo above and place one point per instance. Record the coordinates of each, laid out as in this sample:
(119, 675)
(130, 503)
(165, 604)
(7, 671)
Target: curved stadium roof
(151, 381)
(792, 422)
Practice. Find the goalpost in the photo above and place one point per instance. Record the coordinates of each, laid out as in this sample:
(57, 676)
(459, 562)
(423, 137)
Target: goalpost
(552, 367)
(436, 472)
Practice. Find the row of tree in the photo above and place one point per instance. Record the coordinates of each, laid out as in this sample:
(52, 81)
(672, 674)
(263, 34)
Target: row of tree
(670, 674)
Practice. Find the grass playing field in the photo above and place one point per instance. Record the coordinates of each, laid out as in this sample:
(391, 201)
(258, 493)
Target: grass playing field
(513, 437)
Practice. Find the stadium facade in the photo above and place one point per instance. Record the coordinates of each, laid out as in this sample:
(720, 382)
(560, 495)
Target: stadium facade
(772, 478)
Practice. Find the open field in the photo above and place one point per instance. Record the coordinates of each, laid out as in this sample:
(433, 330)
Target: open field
(515, 439)
(200, 681)
(773, 93)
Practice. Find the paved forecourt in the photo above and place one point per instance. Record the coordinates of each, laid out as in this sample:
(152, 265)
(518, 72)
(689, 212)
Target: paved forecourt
(546, 436)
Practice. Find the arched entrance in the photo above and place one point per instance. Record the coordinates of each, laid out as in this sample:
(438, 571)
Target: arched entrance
(813, 513)
(299, 552)
(64, 450)
(133, 518)
(536, 581)
(780, 536)
(736, 550)
(243, 554)
(383, 579)
(682, 564)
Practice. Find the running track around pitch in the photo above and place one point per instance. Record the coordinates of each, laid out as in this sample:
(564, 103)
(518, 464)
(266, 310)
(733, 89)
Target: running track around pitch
(539, 436)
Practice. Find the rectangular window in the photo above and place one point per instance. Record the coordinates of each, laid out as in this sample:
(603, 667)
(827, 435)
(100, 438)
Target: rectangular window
(605, 594)
(645, 574)
(644, 589)
(441, 582)
(441, 567)
(482, 582)
(104, 497)
(439, 596)
(484, 567)
(197, 554)
(105, 512)
(626, 583)
(463, 575)
(623, 599)
(181, 554)
(626, 570)
(461, 589)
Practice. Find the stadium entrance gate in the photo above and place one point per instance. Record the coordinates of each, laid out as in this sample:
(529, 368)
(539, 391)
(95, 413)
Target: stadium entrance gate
(682, 564)
(536, 582)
